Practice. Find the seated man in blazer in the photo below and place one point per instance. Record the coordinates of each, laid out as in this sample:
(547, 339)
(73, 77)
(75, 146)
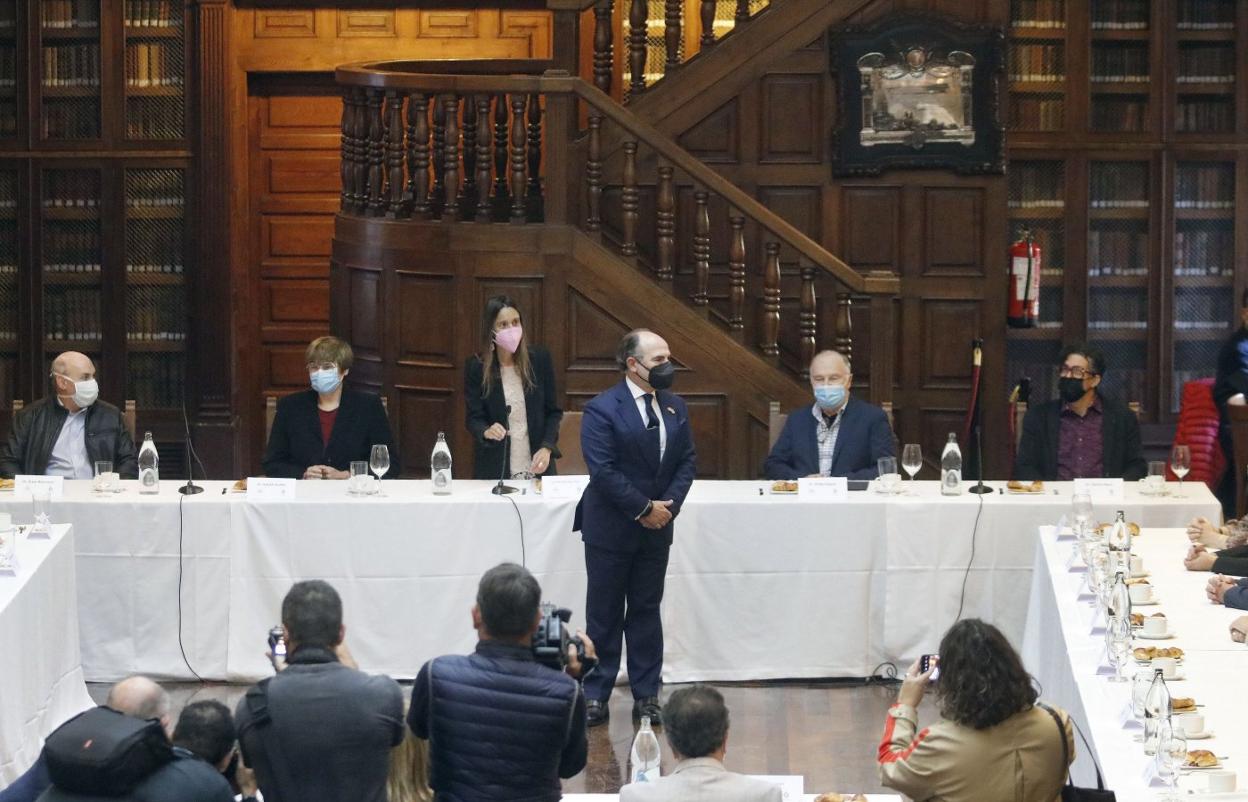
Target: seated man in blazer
(697, 730)
(319, 432)
(837, 435)
(1082, 434)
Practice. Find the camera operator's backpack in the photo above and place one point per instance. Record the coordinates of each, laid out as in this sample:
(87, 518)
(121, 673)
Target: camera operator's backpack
(105, 753)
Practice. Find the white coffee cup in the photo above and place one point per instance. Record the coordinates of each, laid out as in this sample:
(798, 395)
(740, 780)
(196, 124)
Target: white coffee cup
(1221, 781)
(1192, 723)
(1137, 565)
(1168, 665)
(1141, 593)
(1155, 627)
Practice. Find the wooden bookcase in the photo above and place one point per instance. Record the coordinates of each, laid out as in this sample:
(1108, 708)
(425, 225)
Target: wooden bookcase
(1128, 156)
(95, 168)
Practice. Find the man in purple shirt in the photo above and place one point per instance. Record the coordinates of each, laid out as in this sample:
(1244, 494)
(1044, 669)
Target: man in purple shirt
(1081, 434)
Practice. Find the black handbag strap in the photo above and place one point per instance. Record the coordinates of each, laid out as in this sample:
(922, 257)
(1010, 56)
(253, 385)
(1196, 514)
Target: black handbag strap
(257, 699)
(1061, 730)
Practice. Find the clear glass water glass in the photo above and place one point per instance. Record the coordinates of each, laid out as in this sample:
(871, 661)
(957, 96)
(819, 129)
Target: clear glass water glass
(357, 484)
(1156, 480)
(103, 481)
(40, 502)
(1118, 645)
(1171, 755)
(1081, 510)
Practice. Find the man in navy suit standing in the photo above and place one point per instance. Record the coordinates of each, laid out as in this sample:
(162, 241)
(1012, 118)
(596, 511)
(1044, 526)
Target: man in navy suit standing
(636, 441)
(838, 435)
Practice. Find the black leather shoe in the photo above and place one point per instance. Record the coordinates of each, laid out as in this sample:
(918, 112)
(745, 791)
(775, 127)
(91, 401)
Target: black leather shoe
(649, 707)
(596, 713)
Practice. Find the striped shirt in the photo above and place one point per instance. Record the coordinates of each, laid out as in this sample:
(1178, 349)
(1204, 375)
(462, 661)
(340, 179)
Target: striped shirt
(826, 435)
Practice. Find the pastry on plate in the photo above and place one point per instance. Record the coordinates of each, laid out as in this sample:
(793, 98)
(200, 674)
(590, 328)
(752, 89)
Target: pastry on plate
(1016, 486)
(1201, 759)
(784, 486)
(1181, 704)
(240, 486)
(831, 797)
(6, 484)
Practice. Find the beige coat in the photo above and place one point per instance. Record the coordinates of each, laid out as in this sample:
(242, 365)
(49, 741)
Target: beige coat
(1018, 760)
(702, 779)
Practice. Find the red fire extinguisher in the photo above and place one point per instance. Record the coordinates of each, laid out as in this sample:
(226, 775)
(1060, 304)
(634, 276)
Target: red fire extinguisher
(1024, 310)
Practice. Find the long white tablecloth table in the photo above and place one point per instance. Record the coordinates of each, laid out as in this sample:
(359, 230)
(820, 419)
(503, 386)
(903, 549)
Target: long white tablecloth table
(881, 576)
(41, 681)
(1060, 650)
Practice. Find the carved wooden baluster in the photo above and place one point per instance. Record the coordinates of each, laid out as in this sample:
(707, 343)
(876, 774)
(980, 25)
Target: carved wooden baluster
(346, 168)
(394, 154)
(468, 197)
(376, 153)
(637, 19)
(533, 190)
(359, 179)
(437, 156)
(769, 327)
(517, 158)
(672, 39)
(842, 328)
(604, 46)
(450, 210)
(807, 321)
(502, 198)
(483, 159)
(701, 249)
(418, 152)
(708, 23)
(629, 200)
(593, 174)
(743, 12)
(736, 274)
(665, 222)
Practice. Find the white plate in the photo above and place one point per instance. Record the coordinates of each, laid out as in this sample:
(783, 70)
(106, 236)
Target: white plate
(1198, 736)
(1142, 574)
(1166, 636)
(1153, 602)
(1217, 765)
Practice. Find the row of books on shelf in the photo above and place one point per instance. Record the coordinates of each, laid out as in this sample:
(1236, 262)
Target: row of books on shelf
(1192, 115)
(1036, 186)
(154, 118)
(1122, 185)
(70, 119)
(1118, 252)
(8, 67)
(1120, 65)
(145, 268)
(153, 13)
(155, 188)
(1104, 269)
(1120, 15)
(1205, 15)
(155, 380)
(1117, 309)
(1111, 325)
(71, 188)
(1206, 65)
(59, 14)
(71, 267)
(1037, 114)
(1211, 187)
(1201, 325)
(71, 314)
(153, 64)
(71, 65)
(1037, 62)
(1119, 115)
(1203, 252)
(8, 269)
(1038, 13)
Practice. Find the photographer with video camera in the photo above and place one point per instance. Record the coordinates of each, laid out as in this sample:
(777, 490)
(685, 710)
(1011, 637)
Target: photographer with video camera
(508, 720)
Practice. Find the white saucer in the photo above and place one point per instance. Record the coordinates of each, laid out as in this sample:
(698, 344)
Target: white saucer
(1198, 736)
(1150, 603)
(1166, 636)
(1142, 574)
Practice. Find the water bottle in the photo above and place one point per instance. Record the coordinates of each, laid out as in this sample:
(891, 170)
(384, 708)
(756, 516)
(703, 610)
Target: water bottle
(149, 466)
(1119, 541)
(440, 461)
(951, 468)
(644, 761)
(1156, 710)
(1120, 598)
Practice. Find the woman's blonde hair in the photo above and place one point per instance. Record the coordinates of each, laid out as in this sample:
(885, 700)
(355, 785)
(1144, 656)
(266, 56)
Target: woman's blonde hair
(408, 780)
(329, 349)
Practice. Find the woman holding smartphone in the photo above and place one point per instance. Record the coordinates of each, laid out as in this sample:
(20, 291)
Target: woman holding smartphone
(512, 407)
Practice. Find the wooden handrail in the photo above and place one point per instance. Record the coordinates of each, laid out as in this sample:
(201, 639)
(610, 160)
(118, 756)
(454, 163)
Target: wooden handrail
(393, 77)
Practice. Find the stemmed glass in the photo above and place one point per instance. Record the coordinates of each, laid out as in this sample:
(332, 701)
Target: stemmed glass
(379, 463)
(1081, 506)
(1098, 574)
(1140, 683)
(1180, 464)
(1118, 645)
(912, 461)
(1171, 755)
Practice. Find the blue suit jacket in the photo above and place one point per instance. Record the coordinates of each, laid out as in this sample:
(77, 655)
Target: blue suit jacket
(864, 437)
(625, 474)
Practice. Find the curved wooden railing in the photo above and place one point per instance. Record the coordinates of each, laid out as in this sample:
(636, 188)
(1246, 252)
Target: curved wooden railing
(420, 142)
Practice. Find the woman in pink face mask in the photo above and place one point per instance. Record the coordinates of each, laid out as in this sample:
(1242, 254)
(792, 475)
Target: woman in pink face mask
(509, 389)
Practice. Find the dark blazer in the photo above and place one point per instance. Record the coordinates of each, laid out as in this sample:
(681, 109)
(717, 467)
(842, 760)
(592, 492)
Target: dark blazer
(863, 438)
(624, 474)
(541, 408)
(295, 442)
(35, 430)
(186, 779)
(1122, 456)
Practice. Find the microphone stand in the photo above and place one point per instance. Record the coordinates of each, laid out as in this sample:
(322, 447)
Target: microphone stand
(980, 488)
(501, 489)
(190, 488)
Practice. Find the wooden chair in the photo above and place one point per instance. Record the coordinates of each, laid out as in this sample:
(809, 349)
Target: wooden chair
(571, 460)
(1238, 417)
(18, 406)
(775, 423)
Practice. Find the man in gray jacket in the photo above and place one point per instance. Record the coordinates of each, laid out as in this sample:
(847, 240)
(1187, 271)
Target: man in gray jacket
(695, 720)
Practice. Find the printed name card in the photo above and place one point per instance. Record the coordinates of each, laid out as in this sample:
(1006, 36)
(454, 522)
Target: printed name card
(792, 788)
(1100, 488)
(268, 488)
(23, 485)
(823, 488)
(564, 487)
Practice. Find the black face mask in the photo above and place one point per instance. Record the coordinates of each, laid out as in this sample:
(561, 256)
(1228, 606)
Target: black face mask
(662, 375)
(1070, 389)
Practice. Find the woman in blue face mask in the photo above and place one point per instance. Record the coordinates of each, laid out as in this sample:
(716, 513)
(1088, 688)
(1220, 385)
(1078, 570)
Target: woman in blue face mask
(319, 432)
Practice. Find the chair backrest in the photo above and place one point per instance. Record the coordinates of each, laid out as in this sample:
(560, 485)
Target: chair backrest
(1238, 417)
(775, 423)
(1136, 408)
(18, 405)
(571, 460)
(129, 413)
(270, 412)
(1020, 412)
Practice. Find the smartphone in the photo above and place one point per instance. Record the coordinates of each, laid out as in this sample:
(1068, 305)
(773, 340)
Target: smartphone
(277, 642)
(930, 661)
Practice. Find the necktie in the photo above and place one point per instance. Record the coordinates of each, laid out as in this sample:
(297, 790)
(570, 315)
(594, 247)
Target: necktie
(652, 424)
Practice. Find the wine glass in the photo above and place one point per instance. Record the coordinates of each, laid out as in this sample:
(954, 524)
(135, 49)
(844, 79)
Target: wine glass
(1140, 683)
(912, 461)
(1118, 645)
(379, 462)
(1171, 755)
(1180, 464)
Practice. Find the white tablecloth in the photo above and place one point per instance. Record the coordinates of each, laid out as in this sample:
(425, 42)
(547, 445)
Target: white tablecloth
(882, 575)
(41, 681)
(1060, 651)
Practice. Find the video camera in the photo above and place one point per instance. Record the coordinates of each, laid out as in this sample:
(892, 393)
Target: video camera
(550, 642)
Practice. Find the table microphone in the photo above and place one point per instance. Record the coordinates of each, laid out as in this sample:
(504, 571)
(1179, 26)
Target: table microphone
(501, 489)
(190, 488)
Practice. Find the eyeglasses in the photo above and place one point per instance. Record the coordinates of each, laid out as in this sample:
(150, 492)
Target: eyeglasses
(1074, 373)
(321, 366)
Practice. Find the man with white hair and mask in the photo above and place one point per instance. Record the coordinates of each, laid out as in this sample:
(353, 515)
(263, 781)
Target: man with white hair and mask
(66, 433)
